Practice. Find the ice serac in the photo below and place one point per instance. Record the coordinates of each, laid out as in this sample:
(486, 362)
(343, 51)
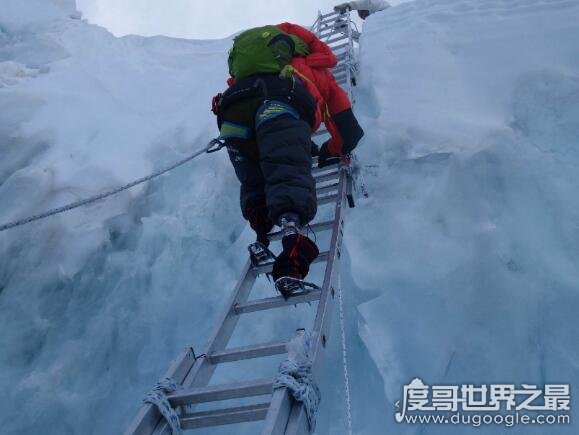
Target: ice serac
(93, 302)
(463, 262)
(20, 14)
(468, 244)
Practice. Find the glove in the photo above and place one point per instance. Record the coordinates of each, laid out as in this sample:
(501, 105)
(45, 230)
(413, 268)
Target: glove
(215, 102)
(315, 149)
(325, 158)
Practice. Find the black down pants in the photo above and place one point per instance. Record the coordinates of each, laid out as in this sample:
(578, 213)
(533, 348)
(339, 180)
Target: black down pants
(275, 169)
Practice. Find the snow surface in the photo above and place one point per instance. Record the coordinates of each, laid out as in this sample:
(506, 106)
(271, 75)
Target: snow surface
(462, 266)
(467, 250)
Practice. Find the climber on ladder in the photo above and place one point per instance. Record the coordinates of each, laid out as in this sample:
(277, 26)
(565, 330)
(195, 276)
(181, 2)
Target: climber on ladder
(280, 90)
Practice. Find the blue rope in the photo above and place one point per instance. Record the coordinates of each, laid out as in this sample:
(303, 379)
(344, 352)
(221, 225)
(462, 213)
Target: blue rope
(158, 397)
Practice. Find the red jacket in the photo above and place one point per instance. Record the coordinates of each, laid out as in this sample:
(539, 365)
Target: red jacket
(314, 69)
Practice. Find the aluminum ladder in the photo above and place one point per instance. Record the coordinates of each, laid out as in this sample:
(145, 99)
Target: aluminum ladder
(282, 414)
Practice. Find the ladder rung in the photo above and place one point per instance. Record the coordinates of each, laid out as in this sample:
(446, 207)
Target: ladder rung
(340, 69)
(328, 199)
(327, 177)
(277, 302)
(332, 31)
(329, 14)
(327, 29)
(320, 226)
(249, 352)
(215, 393)
(326, 21)
(338, 39)
(326, 18)
(268, 267)
(327, 189)
(333, 167)
(219, 417)
(339, 47)
(325, 24)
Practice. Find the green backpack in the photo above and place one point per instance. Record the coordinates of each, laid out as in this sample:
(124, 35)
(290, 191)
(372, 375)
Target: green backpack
(263, 50)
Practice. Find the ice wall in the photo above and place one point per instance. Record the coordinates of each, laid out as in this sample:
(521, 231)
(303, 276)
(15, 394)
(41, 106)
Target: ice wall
(95, 303)
(468, 245)
(460, 267)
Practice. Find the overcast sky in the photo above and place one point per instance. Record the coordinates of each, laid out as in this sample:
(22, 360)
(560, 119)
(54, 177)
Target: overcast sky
(198, 19)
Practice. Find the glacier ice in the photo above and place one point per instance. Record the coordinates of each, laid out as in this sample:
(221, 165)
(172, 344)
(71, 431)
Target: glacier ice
(461, 266)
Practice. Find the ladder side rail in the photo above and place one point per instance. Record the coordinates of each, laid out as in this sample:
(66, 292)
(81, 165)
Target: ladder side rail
(282, 404)
(349, 58)
(317, 24)
(297, 423)
(148, 420)
(298, 419)
(191, 371)
(278, 414)
(148, 415)
(202, 371)
(281, 400)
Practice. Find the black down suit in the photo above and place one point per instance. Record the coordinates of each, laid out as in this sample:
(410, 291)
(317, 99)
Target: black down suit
(266, 123)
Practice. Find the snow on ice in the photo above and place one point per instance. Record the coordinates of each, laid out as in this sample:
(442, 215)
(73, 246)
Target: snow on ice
(461, 267)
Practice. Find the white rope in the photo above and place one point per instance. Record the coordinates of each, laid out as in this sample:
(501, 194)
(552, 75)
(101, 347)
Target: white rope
(86, 201)
(349, 65)
(158, 397)
(295, 374)
(345, 362)
(298, 379)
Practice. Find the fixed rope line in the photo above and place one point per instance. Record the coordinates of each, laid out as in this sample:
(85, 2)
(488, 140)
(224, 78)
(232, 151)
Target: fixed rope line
(348, 399)
(213, 146)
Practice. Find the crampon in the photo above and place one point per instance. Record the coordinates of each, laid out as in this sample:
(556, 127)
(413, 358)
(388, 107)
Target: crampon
(289, 286)
(260, 255)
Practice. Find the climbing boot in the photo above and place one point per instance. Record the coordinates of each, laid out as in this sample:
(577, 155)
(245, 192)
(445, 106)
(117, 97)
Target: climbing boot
(288, 286)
